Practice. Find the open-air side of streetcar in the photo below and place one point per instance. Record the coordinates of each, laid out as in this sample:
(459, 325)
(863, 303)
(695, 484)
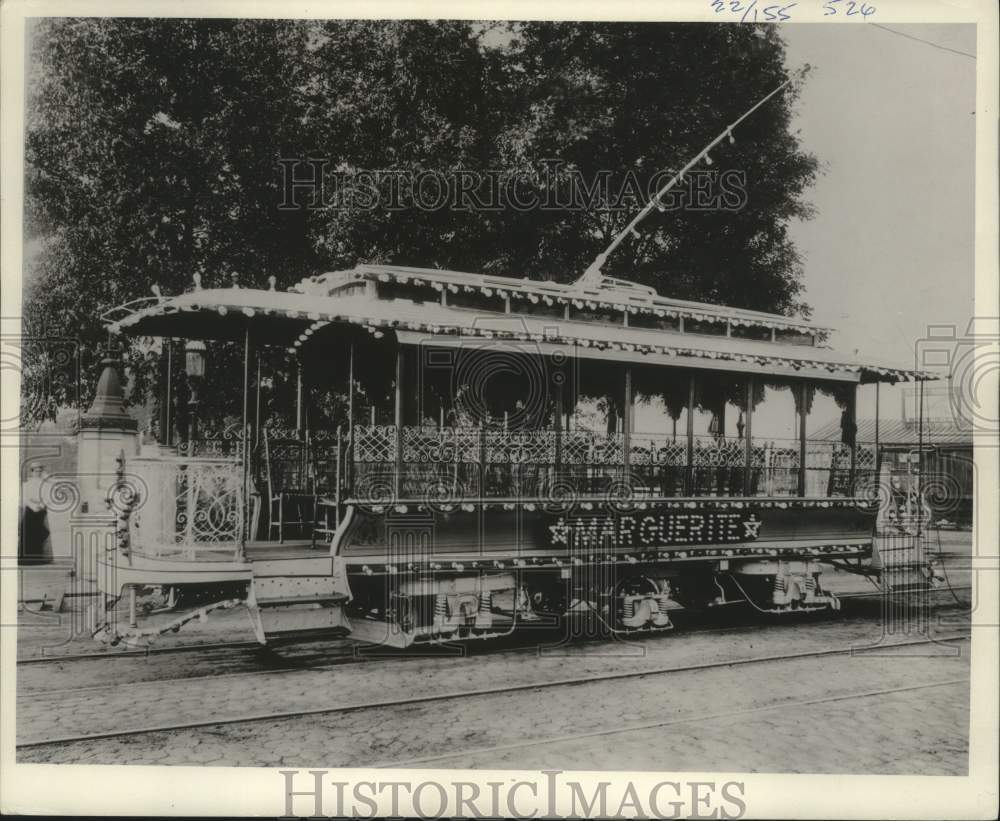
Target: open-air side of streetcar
(504, 452)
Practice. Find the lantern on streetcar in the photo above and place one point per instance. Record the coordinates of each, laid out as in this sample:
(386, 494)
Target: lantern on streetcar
(194, 358)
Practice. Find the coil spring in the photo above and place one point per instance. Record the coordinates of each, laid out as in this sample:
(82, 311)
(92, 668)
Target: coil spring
(663, 605)
(628, 608)
(441, 605)
(486, 602)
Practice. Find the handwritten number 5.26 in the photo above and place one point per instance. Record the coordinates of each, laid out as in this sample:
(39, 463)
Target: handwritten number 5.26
(848, 8)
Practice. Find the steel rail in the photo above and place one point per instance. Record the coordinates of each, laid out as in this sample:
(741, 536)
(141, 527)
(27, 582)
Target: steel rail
(487, 691)
(348, 655)
(334, 634)
(286, 637)
(652, 725)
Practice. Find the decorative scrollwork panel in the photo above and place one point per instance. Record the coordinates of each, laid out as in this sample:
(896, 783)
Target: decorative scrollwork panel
(655, 449)
(228, 443)
(719, 452)
(440, 445)
(209, 503)
(189, 505)
(583, 447)
(532, 447)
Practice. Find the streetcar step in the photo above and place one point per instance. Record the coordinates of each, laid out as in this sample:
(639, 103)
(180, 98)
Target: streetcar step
(286, 601)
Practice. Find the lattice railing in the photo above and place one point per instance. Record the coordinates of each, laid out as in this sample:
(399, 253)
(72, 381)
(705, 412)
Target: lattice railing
(437, 445)
(719, 451)
(866, 457)
(497, 462)
(653, 449)
(775, 454)
(828, 468)
(718, 466)
(658, 463)
(375, 444)
(228, 443)
(520, 447)
(775, 467)
(824, 455)
(584, 447)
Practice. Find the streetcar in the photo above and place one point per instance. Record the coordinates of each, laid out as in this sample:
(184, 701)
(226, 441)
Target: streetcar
(468, 456)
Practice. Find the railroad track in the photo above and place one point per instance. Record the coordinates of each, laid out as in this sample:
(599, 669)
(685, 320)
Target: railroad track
(639, 727)
(326, 657)
(298, 636)
(286, 638)
(330, 658)
(249, 718)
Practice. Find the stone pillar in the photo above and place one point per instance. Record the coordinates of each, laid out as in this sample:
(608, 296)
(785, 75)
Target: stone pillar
(106, 433)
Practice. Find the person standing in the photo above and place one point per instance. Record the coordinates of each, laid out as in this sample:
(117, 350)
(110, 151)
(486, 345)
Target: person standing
(34, 546)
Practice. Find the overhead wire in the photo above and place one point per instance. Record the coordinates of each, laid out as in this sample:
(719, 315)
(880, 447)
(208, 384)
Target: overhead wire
(925, 42)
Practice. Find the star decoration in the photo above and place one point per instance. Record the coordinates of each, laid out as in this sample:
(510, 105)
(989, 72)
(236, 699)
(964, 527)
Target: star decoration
(559, 531)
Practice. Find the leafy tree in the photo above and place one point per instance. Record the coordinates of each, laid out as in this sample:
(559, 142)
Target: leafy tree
(637, 98)
(153, 150)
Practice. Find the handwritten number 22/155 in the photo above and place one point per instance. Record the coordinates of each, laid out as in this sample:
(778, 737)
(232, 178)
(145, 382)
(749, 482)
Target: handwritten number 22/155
(830, 7)
(771, 13)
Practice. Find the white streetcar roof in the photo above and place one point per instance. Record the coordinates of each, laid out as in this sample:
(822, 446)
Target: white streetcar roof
(290, 318)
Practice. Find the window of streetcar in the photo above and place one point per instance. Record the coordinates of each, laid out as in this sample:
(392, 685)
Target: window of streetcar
(658, 451)
(483, 420)
(593, 445)
(751, 332)
(775, 445)
(830, 432)
(651, 320)
(718, 465)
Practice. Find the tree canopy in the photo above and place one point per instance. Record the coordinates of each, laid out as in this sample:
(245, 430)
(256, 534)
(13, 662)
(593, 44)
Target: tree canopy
(154, 148)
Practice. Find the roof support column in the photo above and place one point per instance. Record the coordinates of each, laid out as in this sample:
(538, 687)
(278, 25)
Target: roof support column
(398, 421)
(166, 421)
(627, 422)
(803, 389)
(876, 418)
(748, 472)
(247, 520)
(349, 461)
(690, 435)
(256, 426)
(852, 435)
(559, 409)
(298, 395)
(920, 458)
